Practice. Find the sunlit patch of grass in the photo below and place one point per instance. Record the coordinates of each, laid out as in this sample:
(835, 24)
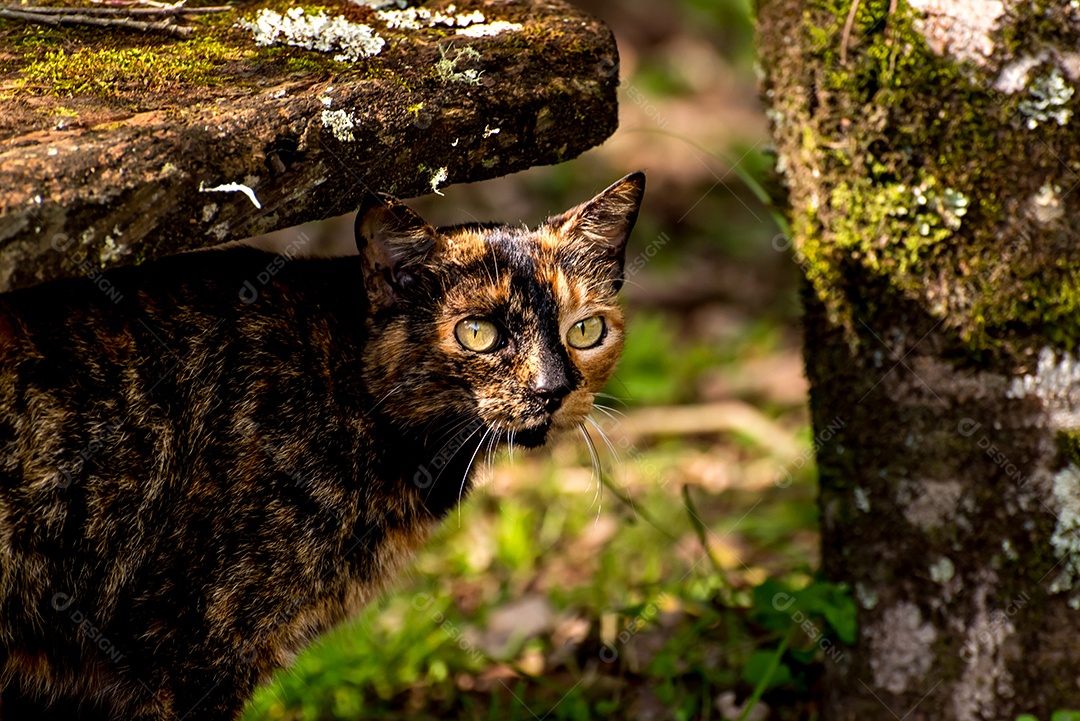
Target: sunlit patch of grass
(633, 613)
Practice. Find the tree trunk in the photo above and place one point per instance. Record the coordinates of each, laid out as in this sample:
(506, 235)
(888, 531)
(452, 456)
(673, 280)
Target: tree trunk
(930, 154)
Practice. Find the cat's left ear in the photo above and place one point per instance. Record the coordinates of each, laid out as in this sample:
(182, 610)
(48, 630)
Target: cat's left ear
(394, 243)
(599, 228)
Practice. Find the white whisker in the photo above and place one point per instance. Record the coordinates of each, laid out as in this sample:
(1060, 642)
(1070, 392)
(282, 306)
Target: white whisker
(493, 446)
(607, 412)
(609, 396)
(618, 460)
(597, 470)
(607, 441)
(451, 432)
(388, 394)
(464, 478)
(447, 464)
(627, 281)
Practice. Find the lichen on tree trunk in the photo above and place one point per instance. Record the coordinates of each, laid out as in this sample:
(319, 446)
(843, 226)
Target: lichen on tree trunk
(930, 154)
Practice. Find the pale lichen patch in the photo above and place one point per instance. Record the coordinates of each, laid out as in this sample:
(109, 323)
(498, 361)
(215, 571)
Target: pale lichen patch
(419, 17)
(1066, 538)
(111, 250)
(931, 504)
(1056, 382)
(942, 570)
(1014, 76)
(867, 597)
(340, 123)
(446, 67)
(1047, 100)
(986, 677)
(489, 29)
(1045, 206)
(438, 178)
(902, 648)
(219, 231)
(320, 32)
(963, 28)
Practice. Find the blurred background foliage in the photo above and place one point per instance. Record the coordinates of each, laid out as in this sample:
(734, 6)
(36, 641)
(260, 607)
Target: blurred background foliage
(683, 585)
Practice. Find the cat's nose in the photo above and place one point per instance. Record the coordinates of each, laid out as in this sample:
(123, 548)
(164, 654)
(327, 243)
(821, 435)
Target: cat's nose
(552, 386)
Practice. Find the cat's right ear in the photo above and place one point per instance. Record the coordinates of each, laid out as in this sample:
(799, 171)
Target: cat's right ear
(394, 243)
(596, 231)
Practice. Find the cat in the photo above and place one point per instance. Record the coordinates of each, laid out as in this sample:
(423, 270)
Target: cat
(232, 451)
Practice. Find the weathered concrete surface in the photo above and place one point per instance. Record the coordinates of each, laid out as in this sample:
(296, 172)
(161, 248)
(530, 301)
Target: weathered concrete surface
(106, 169)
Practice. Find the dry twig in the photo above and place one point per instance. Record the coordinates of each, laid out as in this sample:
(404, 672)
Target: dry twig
(708, 418)
(111, 16)
(846, 37)
(164, 10)
(165, 25)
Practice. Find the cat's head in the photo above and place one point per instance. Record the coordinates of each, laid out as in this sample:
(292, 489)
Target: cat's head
(494, 328)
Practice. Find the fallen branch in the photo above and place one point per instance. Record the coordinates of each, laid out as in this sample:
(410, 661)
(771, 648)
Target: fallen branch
(710, 418)
(144, 3)
(165, 10)
(164, 26)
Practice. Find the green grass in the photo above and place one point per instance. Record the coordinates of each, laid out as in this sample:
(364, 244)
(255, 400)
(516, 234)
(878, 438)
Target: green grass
(636, 618)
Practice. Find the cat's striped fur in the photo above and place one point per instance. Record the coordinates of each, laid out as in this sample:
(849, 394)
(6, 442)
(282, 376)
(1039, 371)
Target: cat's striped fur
(199, 478)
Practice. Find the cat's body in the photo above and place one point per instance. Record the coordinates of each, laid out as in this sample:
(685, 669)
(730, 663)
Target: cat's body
(199, 478)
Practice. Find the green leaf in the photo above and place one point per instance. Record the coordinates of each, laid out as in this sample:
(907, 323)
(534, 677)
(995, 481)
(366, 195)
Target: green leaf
(758, 666)
(1065, 716)
(771, 605)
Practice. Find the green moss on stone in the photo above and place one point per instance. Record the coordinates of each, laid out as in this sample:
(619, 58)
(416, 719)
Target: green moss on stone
(104, 72)
(308, 62)
(1068, 443)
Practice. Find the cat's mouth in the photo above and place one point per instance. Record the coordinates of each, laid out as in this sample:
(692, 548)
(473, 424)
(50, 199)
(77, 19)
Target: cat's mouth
(533, 436)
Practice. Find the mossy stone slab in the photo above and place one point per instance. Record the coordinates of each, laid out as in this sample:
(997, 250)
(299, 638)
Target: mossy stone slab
(111, 140)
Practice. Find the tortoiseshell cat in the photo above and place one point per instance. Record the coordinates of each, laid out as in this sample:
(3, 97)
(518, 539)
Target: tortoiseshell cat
(206, 469)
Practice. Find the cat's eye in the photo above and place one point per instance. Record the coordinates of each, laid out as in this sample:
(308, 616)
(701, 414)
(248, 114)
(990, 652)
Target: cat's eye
(586, 333)
(477, 335)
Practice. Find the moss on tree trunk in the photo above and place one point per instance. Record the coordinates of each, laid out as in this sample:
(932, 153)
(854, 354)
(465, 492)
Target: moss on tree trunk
(931, 154)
